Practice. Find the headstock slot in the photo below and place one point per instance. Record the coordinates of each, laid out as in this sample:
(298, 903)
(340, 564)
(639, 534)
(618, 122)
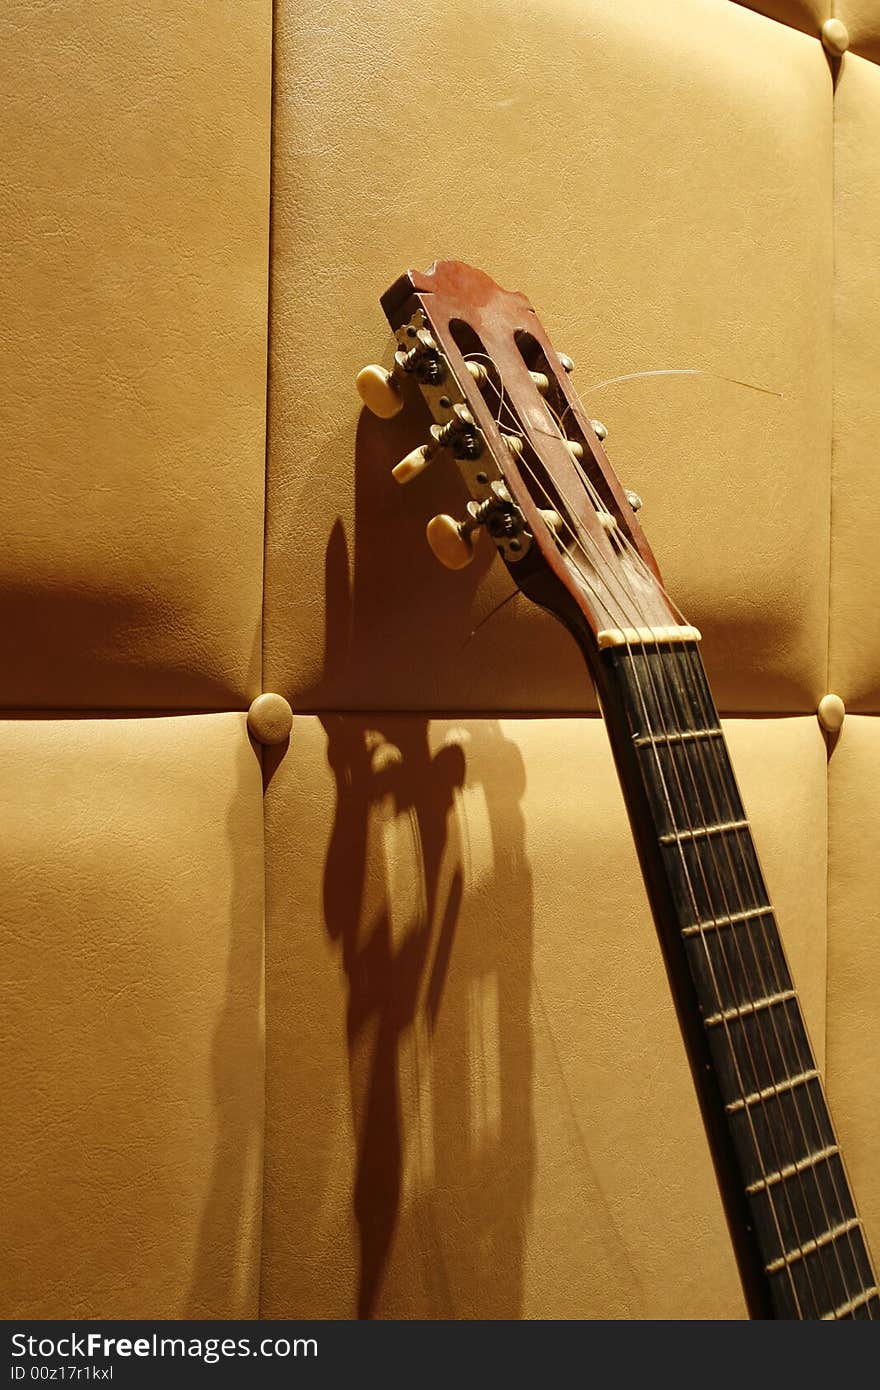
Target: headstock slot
(564, 415)
(564, 517)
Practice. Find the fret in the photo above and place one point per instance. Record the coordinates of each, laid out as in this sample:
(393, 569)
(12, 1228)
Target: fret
(760, 1048)
(830, 1272)
(729, 919)
(688, 780)
(676, 736)
(695, 832)
(721, 938)
(826, 1238)
(812, 1199)
(791, 1169)
(715, 876)
(852, 1304)
(786, 1124)
(751, 1006)
(742, 963)
(771, 1092)
(650, 680)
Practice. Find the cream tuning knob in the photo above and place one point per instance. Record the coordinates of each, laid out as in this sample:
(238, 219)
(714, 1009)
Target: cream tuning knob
(451, 541)
(379, 392)
(478, 372)
(414, 464)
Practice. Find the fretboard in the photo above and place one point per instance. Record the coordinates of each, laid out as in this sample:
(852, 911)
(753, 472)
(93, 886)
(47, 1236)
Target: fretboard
(797, 1234)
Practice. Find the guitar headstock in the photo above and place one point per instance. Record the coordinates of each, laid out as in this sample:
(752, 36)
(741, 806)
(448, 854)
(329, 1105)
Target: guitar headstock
(540, 483)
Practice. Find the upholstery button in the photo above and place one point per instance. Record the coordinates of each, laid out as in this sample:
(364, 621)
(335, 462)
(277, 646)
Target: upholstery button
(831, 712)
(835, 37)
(270, 718)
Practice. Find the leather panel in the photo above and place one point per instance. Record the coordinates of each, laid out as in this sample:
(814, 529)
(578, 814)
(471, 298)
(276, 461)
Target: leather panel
(862, 20)
(807, 15)
(854, 657)
(853, 961)
(610, 145)
(462, 966)
(131, 920)
(134, 251)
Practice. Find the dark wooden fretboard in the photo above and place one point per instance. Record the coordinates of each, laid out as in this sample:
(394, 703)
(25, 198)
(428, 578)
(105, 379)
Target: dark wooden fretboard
(798, 1239)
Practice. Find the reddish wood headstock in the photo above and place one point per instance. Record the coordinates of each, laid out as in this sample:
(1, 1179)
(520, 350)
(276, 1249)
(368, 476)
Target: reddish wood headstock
(540, 482)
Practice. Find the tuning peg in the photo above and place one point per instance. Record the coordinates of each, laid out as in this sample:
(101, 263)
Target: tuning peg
(599, 430)
(415, 463)
(478, 372)
(379, 391)
(566, 362)
(633, 499)
(452, 541)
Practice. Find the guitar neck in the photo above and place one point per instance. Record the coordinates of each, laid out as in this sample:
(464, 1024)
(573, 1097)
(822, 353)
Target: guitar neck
(795, 1229)
(543, 489)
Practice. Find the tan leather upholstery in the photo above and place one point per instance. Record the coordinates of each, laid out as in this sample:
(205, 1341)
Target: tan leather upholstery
(862, 20)
(132, 870)
(476, 1099)
(853, 958)
(808, 15)
(509, 1126)
(134, 216)
(649, 178)
(854, 658)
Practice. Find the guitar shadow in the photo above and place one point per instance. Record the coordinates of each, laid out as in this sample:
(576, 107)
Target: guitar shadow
(427, 896)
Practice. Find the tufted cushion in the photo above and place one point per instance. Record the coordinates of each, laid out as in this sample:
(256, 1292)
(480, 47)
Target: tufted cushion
(133, 206)
(471, 1098)
(509, 1127)
(132, 865)
(606, 205)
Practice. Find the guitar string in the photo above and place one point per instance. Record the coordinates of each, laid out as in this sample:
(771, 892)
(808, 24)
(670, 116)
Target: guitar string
(702, 702)
(797, 1036)
(810, 1177)
(749, 1060)
(685, 869)
(783, 1054)
(690, 669)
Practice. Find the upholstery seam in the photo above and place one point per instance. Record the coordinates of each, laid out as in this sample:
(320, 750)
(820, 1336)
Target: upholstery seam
(516, 712)
(269, 324)
(831, 478)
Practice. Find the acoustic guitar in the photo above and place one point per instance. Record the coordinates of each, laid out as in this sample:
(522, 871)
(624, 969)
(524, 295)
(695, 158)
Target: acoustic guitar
(540, 484)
